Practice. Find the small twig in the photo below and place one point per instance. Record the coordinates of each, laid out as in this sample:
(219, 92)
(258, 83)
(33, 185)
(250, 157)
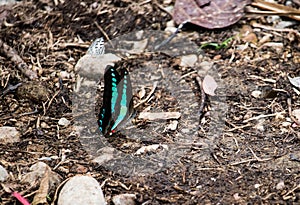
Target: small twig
(263, 116)
(187, 74)
(285, 197)
(289, 102)
(65, 45)
(160, 7)
(203, 97)
(29, 113)
(270, 28)
(20, 115)
(50, 102)
(277, 8)
(268, 13)
(237, 127)
(104, 33)
(21, 65)
(256, 159)
(148, 97)
(10, 88)
(210, 168)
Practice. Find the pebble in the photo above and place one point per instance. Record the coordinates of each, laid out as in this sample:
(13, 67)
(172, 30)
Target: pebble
(81, 190)
(189, 60)
(64, 75)
(296, 114)
(124, 199)
(9, 135)
(3, 174)
(63, 122)
(256, 93)
(38, 171)
(92, 66)
(280, 185)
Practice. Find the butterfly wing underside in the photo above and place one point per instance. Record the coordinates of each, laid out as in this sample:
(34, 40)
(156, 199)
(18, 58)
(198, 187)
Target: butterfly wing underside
(125, 101)
(117, 105)
(111, 80)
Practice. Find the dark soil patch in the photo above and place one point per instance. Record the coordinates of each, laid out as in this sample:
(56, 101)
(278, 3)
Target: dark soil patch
(246, 161)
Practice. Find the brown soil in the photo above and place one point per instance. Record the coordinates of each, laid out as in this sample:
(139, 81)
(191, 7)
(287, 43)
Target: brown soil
(248, 161)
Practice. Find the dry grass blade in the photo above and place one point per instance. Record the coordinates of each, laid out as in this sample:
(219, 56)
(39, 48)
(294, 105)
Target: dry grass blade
(280, 9)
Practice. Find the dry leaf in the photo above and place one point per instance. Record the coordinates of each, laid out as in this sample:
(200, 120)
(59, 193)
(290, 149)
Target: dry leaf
(209, 85)
(41, 195)
(209, 14)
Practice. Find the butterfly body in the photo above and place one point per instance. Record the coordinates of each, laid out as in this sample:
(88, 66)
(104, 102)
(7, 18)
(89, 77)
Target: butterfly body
(117, 105)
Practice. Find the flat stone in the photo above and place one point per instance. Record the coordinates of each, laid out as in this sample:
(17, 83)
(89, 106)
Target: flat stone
(3, 174)
(81, 190)
(124, 199)
(9, 135)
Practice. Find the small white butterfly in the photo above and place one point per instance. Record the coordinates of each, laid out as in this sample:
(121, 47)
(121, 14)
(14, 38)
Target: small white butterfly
(97, 47)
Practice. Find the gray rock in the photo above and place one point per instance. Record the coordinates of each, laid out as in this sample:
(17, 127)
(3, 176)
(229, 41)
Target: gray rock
(81, 190)
(124, 199)
(3, 174)
(9, 135)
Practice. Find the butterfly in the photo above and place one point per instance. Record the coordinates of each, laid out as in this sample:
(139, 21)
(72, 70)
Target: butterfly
(97, 47)
(117, 106)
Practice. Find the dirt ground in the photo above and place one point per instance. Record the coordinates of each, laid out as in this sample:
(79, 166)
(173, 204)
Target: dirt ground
(253, 160)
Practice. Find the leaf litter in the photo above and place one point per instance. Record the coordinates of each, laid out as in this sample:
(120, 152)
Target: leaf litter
(244, 157)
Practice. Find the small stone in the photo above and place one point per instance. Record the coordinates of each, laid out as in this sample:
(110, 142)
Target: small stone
(64, 74)
(256, 186)
(63, 122)
(188, 60)
(173, 125)
(280, 185)
(37, 172)
(33, 91)
(205, 66)
(44, 125)
(286, 124)
(236, 196)
(124, 199)
(9, 135)
(92, 66)
(3, 174)
(256, 93)
(296, 114)
(81, 190)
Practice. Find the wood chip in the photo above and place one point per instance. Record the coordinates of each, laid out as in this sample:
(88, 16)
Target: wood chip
(159, 115)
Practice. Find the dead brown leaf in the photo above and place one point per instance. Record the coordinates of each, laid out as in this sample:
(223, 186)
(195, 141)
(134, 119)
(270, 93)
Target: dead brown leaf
(209, 14)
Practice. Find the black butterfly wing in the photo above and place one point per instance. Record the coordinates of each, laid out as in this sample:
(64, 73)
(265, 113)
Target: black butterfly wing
(124, 107)
(110, 95)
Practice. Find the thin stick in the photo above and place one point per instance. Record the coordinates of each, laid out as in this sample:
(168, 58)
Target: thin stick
(148, 97)
(270, 28)
(289, 102)
(263, 116)
(50, 102)
(277, 8)
(14, 56)
(11, 88)
(187, 74)
(256, 158)
(285, 197)
(104, 33)
(203, 97)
